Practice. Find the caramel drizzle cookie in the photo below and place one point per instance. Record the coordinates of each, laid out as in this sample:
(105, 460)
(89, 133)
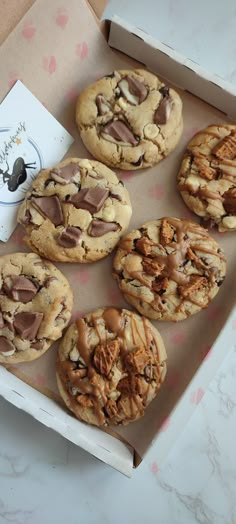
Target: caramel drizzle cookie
(207, 176)
(129, 119)
(35, 306)
(111, 364)
(169, 269)
(75, 212)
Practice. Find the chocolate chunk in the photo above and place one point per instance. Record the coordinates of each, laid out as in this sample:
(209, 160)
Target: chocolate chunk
(65, 175)
(164, 91)
(137, 88)
(117, 197)
(133, 90)
(230, 201)
(120, 132)
(19, 288)
(102, 105)
(163, 111)
(37, 345)
(50, 207)
(6, 346)
(1, 321)
(91, 199)
(27, 324)
(98, 228)
(69, 237)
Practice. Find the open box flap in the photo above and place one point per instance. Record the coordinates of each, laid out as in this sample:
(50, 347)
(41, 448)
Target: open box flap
(170, 64)
(91, 439)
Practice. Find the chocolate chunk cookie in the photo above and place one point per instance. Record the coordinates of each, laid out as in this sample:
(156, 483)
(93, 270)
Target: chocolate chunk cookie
(207, 176)
(35, 306)
(129, 119)
(75, 212)
(111, 364)
(169, 269)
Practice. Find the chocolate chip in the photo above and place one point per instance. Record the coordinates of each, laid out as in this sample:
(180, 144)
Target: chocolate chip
(19, 288)
(163, 111)
(49, 206)
(65, 175)
(230, 201)
(207, 223)
(102, 105)
(98, 228)
(164, 91)
(69, 237)
(120, 132)
(112, 75)
(139, 161)
(6, 345)
(1, 321)
(91, 199)
(117, 197)
(49, 181)
(27, 324)
(37, 345)
(48, 281)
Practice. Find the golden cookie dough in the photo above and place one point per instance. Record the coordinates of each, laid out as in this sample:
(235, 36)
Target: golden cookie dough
(35, 306)
(111, 364)
(129, 119)
(169, 269)
(207, 176)
(75, 212)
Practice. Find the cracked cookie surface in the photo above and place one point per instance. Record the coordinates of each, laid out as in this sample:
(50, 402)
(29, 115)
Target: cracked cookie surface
(35, 306)
(75, 211)
(207, 176)
(169, 269)
(129, 119)
(110, 366)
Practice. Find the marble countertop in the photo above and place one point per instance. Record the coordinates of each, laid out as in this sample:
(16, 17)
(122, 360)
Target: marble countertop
(46, 479)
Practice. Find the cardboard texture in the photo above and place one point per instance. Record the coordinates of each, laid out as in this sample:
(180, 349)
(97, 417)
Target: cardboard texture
(55, 63)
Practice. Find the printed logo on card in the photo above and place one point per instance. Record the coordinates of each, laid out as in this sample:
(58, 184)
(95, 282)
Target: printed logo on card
(20, 161)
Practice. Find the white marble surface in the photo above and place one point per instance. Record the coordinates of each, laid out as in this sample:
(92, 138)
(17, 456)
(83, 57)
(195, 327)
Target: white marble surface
(45, 479)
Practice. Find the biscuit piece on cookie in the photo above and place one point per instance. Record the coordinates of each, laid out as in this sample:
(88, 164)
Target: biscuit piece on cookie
(129, 119)
(75, 212)
(111, 364)
(35, 306)
(169, 269)
(207, 176)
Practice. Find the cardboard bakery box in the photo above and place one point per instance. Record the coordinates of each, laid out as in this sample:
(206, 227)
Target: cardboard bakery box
(55, 62)
(193, 50)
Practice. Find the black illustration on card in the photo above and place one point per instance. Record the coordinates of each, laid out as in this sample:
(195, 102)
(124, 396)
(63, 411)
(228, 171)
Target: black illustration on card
(18, 175)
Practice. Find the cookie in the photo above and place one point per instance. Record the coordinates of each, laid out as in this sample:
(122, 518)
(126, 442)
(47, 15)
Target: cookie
(111, 364)
(75, 212)
(35, 306)
(207, 176)
(169, 269)
(129, 119)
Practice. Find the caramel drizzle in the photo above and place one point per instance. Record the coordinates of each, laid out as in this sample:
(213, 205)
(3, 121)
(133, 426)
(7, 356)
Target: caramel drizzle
(115, 323)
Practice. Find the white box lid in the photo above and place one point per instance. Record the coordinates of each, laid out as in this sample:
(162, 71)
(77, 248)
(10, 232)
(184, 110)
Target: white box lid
(203, 32)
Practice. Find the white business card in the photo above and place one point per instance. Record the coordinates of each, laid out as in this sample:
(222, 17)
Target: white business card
(30, 139)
